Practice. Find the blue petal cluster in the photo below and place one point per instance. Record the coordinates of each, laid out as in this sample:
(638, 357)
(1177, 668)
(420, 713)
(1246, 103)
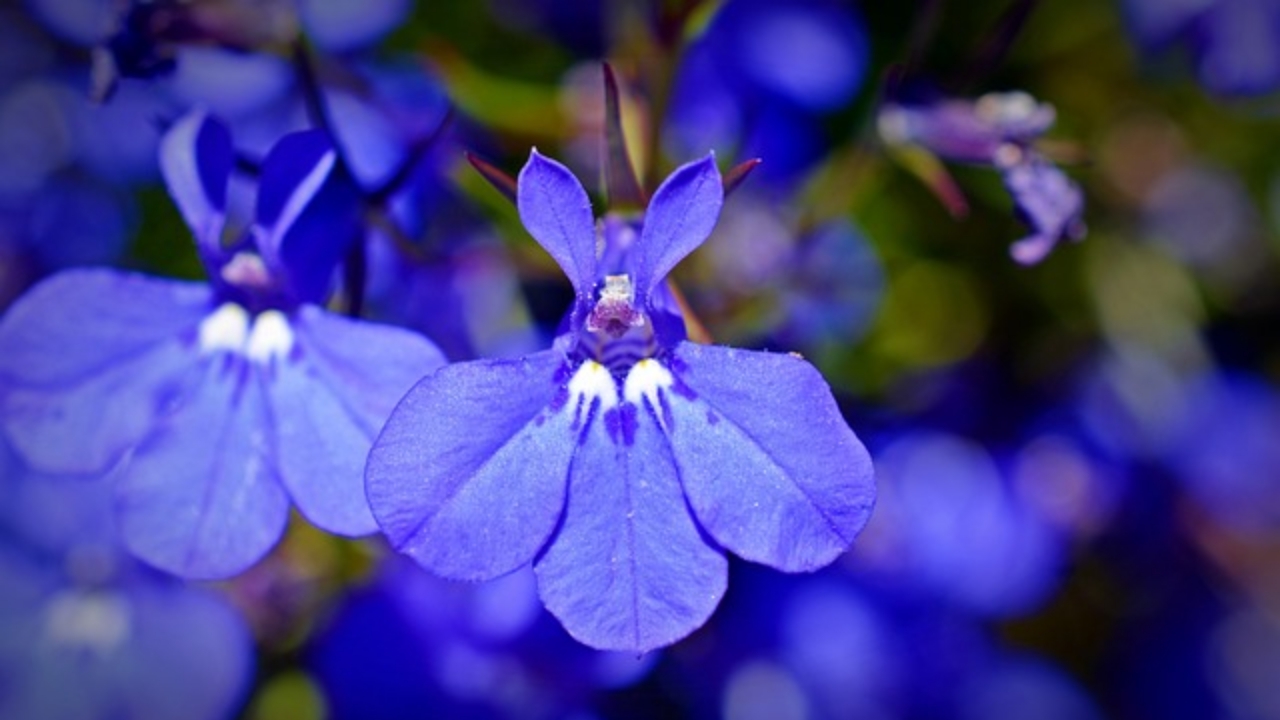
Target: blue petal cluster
(625, 460)
(214, 406)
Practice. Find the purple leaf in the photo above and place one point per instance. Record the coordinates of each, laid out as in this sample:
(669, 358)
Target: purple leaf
(468, 475)
(770, 467)
(557, 213)
(329, 404)
(680, 217)
(199, 498)
(629, 568)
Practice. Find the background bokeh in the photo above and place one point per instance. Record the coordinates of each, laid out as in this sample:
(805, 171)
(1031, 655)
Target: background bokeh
(1078, 460)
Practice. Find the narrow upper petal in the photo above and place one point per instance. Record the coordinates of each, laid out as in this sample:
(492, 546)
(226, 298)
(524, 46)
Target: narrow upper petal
(196, 158)
(328, 401)
(629, 569)
(308, 213)
(680, 217)
(556, 211)
(89, 359)
(199, 498)
(468, 476)
(770, 467)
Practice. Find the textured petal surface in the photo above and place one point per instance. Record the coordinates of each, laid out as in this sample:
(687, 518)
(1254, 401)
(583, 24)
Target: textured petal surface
(468, 475)
(89, 359)
(770, 467)
(328, 401)
(681, 215)
(196, 158)
(199, 498)
(629, 569)
(557, 213)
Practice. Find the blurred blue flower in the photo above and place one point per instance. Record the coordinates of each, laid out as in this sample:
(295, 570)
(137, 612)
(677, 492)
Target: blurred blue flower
(998, 130)
(735, 93)
(948, 524)
(412, 643)
(1224, 448)
(216, 404)
(1236, 43)
(88, 634)
(621, 461)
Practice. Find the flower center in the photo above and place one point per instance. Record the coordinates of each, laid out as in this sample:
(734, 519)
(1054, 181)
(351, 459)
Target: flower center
(617, 333)
(261, 338)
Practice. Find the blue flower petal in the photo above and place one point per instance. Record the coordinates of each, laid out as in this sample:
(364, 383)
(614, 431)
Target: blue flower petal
(629, 569)
(196, 158)
(680, 216)
(556, 211)
(308, 213)
(329, 404)
(468, 475)
(189, 654)
(339, 26)
(1049, 202)
(88, 359)
(770, 467)
(199, 498)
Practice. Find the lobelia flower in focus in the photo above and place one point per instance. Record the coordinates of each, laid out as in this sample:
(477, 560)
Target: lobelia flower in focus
(214, 405)
(998, 130)
(624, 461)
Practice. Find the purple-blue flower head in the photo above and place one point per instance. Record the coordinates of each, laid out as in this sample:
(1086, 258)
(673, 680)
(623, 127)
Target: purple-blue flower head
(625, 460)
(998, 130)
(1235, 43)
(86, 633)
(214, 405)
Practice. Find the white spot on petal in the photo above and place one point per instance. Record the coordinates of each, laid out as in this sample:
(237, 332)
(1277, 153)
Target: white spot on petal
(97, 621)
(644, 380)
(271, 337)
(591, 381)
(226, 328)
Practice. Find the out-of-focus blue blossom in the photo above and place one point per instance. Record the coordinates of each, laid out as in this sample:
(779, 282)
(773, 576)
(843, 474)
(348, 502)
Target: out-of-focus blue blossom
(735, 93)
(827, 647)
(217, 404)
(949, 524)
(412, 643)
(86, 633)
(1236, 43)
(621, 461)
(341, 26)
(998, 130)
(1224, 447)
(833, 288)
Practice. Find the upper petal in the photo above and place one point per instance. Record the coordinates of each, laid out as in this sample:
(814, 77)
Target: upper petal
(308, 213)
(196, 158)
(629, 569)
(199, 498)
(556, 211)
(468, 475)
(770, 467)
(680, 217)
(328, 401)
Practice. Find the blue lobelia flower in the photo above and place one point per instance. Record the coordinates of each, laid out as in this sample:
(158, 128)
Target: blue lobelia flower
(623, 461)
(86, 633)
(214, 404)
(998, 130)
